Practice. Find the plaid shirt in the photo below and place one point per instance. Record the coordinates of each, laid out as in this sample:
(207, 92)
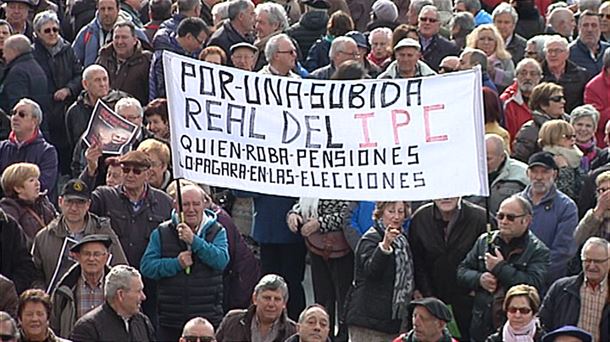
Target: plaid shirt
(592, 301)
(88, 297)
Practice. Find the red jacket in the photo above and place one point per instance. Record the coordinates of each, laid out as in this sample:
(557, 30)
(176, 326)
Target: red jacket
(516, 111)
(597, 93)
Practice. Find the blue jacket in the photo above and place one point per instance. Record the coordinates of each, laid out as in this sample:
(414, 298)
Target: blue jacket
(87, 43)
(554, 221)
(215, 255)
(580, 54)
(163, 41)
(269, 221)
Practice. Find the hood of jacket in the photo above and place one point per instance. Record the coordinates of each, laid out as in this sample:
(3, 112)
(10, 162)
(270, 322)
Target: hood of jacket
(315, 21)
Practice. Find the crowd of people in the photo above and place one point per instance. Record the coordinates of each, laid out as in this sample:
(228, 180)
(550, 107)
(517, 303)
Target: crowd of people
(103, 247)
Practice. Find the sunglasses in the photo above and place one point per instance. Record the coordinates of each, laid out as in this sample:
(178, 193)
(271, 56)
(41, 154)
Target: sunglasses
(510, 217)
(428, 20)
(51, 29)
(569, 136)
(199, 338)
(557, 98)
(606, 16)
(136, 170)
(20, 113)
(523, 311)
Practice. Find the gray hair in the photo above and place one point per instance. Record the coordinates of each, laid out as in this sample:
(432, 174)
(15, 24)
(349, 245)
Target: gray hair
(443, 5)
(431, 8)
(309, 307)
(193, 322)
(384, 31)
(528, 61)
(419, 4)
(606, 59)
(505, 8)
(496, 141)
(464, 19)
(591, 5)
(87, 73)
(555, 39)
(272, 45)
(338, 44)
(129, 102)
(584, 111)
(43, 18)
(539, 42)
(477, 57)
(594, 240)
(5, 317)
(119, 278)
(222, 9)
(238, 6)
(276, 14)
(272, 282)
(471, 5)
(187, 5)
(18, 42)
(524, 204)
(36, 110)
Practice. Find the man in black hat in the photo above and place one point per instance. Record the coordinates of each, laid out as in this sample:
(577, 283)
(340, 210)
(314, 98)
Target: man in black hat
(555, 214)
(311, 26)
(82, 288)
(16, 13)
(74, 224)
(430, 318)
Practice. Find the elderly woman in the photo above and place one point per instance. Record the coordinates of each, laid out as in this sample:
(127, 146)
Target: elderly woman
(159, 155)
(521, 305)
(23, 200)
(547, 103)
(63, 72)
(596, 221)
(381, 51)
(584, 119)
(558, 138)
(34, 312)
(157, 119)
(213, 54)
(383, 277)
(500, 67)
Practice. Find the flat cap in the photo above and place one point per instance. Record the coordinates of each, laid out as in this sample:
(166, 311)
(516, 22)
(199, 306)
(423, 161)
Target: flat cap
(101, 238)
(137, 158)
(243, 45)
(435, 306)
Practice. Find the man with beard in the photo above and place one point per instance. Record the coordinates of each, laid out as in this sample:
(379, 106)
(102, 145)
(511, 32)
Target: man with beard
(516, 96)
(555, 214)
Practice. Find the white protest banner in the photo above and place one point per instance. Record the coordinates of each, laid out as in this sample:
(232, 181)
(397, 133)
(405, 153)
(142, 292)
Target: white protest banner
(410, 139)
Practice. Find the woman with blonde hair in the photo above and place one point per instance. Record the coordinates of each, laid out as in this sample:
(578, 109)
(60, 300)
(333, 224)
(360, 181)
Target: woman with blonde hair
(23, 200)
(559, 138)
(500, 65)
(521, 305)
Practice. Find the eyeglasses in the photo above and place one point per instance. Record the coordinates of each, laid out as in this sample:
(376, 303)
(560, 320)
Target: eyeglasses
(524, 311)
(594, 261)
(602, 190)
(7, 337)
(199, 338)
(605, 16)
(569, 136)
(197, 39)
(528, 73)
(428, 20)
(292, 52)
(50, 29)
(136, 170)
(20, 113)
(557, 98)
(75, 202)
(510, 217)
(555, 51)
(95, 255)
(353, 54)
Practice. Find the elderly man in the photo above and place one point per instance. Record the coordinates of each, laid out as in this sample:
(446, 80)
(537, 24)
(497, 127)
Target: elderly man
(469, 58)
(558, 69)
(95, 86)
(81, 288)
(434, 47)
(265, 319)
(187, 40)
(506, 176)
(187, 259)
(474, 7)
(270, 20)
(243, 56)
(342, 49)
(313, 325)
(198, 328)
(581, 300)
(596, 93)
(449, 64)
(23, 76)
(281, 55)
(516, 96)
(126, 63)
(494, 264)
(440, 235)
(429, 320)
(98, 32)
(461, 24)
(27, 144)
(587, 50)
(535, 48)
(604, 24)
(73, 225)
(8, 327)
(238, 28)
(555, 214)
(407, 64)
(119, 318)
(505, 19)
(561, 21)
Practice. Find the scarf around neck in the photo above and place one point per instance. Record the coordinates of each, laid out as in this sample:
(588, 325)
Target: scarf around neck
(525, 334)
(572, 155)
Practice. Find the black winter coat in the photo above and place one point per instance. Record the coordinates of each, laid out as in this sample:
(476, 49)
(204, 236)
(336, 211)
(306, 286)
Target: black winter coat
(103, 324)
(15, 259)
(438, 49)
(573, 82)
(225, 37)
(310, 28)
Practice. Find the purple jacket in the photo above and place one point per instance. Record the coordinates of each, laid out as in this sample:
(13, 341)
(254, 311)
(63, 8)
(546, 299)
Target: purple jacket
(35, 150)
